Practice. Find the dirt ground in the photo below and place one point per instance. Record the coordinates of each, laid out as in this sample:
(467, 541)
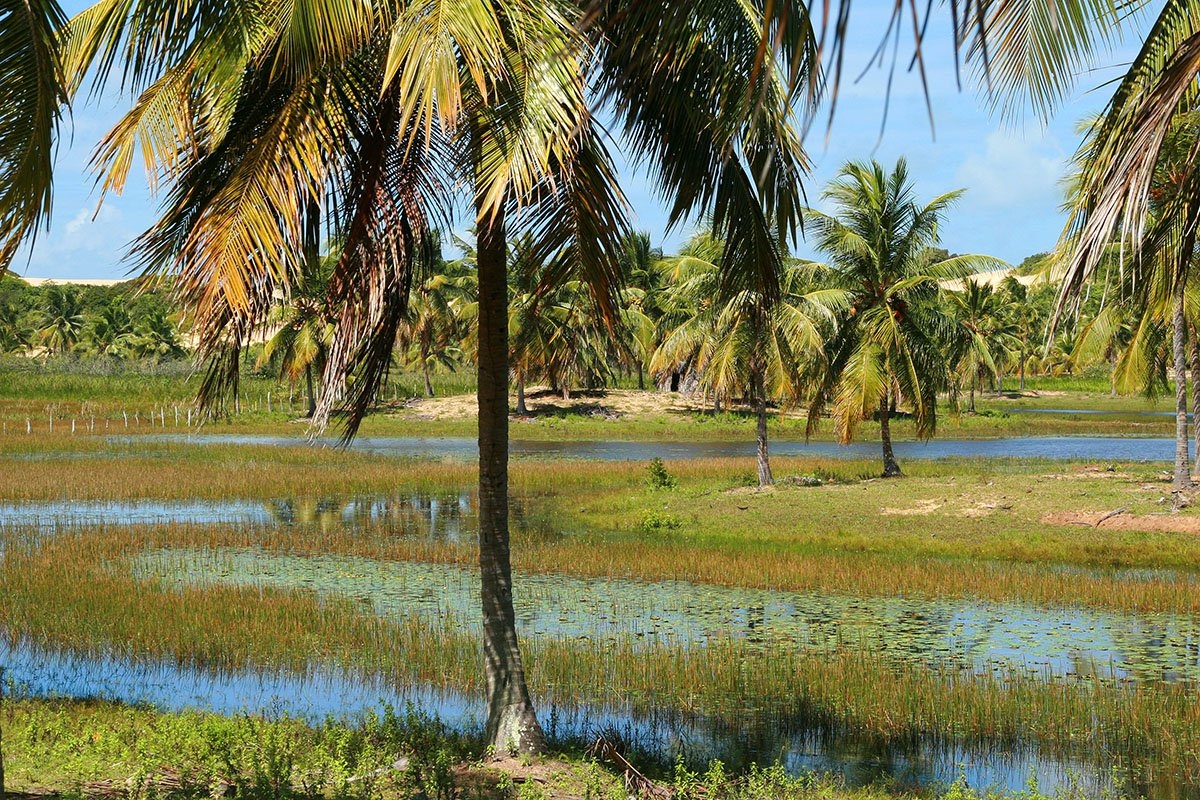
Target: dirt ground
(1122, 521)
(610, 403)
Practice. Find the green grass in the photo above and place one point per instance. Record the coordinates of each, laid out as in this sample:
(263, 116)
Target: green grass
(72, 748)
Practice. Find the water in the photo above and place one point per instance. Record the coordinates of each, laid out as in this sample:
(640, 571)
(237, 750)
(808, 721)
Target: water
(970, 634)
(1106, 448)
(447, 516)
(654, 733)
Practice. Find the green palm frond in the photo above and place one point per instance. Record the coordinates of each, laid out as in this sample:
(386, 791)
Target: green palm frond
(32, 85)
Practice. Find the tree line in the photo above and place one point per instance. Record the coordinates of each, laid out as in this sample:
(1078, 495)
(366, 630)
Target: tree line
(117, 322)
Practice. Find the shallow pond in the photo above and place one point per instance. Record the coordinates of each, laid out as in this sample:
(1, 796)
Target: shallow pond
(448, 516)
(972, 634)
(761, 738)
(1106, 448)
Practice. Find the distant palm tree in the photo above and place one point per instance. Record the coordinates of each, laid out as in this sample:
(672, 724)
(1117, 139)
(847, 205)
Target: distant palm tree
(304, 328)
(760, 346)
(889, 348)
(110, 329)
(14, 337)
(155, 337)
(62, 320)
(432, 330)
(981, 339)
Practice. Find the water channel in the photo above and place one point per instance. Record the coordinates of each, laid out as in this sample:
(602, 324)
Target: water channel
(1106, 448)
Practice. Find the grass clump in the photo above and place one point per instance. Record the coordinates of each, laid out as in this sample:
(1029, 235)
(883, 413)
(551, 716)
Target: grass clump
(659, 521)
(657, 476)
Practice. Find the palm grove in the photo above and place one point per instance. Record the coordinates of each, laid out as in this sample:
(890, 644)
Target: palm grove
(271, 128)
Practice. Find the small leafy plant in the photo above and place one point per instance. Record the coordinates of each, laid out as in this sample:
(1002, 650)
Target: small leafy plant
(658, 477)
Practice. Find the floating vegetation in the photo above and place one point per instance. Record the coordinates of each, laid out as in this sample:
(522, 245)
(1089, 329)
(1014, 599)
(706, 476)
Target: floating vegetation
(977, 635)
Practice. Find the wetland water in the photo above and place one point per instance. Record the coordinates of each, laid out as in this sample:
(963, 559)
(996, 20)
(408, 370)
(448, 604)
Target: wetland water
(1105, 448)
(447, 517)
(755, 738)
(944, 632)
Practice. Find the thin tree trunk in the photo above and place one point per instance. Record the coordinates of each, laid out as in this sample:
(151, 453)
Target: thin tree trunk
(1021, 362)
(764, 463)
(1112, 373)
(641, 377)
(312, 392)
(522, 409)
(971, 399)
(566, 391)
(1183, 477)
(1195, 393)
(425, 372)
(511, 721)
(891, 468)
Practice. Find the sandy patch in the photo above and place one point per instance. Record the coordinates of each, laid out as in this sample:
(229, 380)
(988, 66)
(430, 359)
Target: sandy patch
(1148, 523)
(922, 508)
(541, 402)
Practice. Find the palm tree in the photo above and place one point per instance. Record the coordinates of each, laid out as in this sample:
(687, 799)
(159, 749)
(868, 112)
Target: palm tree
(975, 311)
(1161, 233)
(155, 337)
(62, 319)
(300, 344)
(109, 329)
(745, 342)
(13, 335)
(889, 347)
(431, 330)
(255, 112)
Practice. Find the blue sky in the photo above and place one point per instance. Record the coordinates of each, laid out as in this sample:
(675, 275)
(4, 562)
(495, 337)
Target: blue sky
(1011, 171)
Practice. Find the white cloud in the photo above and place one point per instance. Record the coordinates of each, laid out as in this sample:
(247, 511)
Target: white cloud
(1013, 172)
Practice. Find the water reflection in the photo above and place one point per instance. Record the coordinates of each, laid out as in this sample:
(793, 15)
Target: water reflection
(655, 734)
(945, 632)
(446, 516)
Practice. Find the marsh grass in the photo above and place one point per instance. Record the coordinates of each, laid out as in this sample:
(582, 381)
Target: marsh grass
(957, 529)
(110, 611)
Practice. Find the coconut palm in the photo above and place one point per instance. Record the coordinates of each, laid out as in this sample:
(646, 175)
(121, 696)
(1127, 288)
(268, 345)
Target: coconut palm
(254, 112)
(110, 329)
(762, 347)
(155, 337)
(889, 347)
(303, 328)
(976, 312)
(61, 321)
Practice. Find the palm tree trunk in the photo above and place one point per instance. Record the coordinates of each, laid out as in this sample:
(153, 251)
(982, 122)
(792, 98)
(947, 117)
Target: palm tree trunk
(511, 721)
(971, 399)
(425, 373)
(1021, 363)
(1183, 477)
(312, 393)
(764, 463)
(521, 408)
(641, 377)
(1195, 374)
(891, 468)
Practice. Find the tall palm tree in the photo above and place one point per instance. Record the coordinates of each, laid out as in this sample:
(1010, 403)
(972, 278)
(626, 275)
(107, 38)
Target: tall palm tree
(975, 311)
(255, 111)
(889, 347)
(746, 342)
